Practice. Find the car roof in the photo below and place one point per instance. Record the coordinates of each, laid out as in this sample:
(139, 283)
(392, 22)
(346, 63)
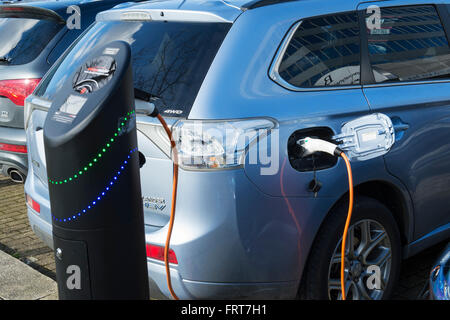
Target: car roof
(239, 4)
(223, 10)
(199, 10)
(60, 6)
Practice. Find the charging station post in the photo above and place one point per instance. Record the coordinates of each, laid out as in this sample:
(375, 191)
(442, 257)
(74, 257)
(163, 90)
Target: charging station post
(93, 177)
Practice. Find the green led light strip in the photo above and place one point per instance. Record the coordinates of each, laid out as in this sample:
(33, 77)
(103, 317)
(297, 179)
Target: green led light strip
(95, 159)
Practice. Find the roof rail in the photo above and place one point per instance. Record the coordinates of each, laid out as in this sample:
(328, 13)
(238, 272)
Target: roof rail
(262, 3)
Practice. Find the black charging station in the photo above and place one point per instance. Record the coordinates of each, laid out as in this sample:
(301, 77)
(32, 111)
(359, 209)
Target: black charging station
(93, 176)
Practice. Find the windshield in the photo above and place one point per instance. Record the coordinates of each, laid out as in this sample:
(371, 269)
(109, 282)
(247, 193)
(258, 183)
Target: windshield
(169, 59)
(22, 40)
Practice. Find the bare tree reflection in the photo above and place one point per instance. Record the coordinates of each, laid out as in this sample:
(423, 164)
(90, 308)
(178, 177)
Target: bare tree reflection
(170, 65)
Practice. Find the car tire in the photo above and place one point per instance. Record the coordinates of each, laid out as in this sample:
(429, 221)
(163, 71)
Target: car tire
(368, 214)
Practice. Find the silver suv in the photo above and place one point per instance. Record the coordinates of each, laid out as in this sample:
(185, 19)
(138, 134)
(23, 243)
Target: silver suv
(240, 83)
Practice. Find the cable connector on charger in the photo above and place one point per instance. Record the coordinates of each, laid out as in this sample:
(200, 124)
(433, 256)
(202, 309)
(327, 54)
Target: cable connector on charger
(313, 145)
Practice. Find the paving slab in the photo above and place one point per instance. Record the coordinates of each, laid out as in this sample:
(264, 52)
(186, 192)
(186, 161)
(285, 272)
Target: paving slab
(16, 236)
(19, 281)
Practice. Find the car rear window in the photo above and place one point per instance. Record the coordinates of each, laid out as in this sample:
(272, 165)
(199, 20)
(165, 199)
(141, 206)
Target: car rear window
(22, 40)
(169, 59)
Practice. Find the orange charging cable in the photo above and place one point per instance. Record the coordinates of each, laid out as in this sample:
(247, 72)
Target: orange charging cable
(174, 198)
(347, 222)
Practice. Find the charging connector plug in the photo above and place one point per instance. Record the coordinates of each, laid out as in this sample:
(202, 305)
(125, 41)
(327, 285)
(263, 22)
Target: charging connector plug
(313, 145)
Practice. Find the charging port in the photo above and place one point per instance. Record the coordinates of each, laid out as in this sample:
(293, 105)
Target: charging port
(317, 161)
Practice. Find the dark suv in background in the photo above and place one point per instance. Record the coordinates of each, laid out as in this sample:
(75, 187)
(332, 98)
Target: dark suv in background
(33, 35)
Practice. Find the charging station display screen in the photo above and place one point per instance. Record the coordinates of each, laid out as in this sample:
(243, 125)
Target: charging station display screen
(94, 74)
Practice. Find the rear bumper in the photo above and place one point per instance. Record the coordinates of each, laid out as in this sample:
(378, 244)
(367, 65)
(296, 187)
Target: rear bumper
(231, 240)
(12, 160)
(41, 228)
(187, 289)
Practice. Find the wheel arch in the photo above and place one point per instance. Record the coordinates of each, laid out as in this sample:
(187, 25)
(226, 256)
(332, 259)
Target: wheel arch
(394, 199)
(393, 196)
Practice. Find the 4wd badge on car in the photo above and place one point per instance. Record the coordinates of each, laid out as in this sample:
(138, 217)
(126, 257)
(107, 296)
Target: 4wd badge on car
(173, 111)
(155, 203)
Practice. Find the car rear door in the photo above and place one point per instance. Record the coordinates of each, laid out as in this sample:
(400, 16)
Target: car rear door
(407, 77)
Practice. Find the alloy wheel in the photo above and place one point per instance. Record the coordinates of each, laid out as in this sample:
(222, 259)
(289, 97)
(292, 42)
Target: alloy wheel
(368, 248)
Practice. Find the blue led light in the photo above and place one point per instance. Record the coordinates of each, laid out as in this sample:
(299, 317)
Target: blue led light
(97, 197)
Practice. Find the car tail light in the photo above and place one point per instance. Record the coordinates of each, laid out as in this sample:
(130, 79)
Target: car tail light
(17, 90)
(33, 204)
(15, 9)
(157, 252)
(13, 148)
(204, 144)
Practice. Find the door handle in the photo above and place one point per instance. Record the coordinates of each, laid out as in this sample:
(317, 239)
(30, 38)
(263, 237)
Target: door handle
(399, 127)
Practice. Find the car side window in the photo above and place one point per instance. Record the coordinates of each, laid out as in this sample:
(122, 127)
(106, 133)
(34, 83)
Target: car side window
(408, 44)
(323, 52)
